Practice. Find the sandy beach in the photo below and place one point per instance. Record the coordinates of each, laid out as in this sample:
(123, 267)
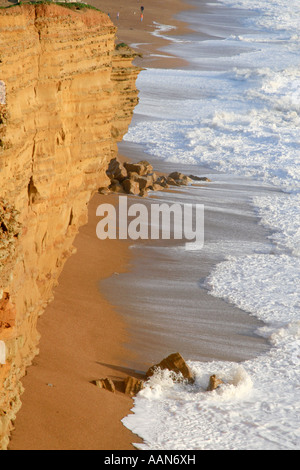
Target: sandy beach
(81, 340)
(82, 334)
(131, 30)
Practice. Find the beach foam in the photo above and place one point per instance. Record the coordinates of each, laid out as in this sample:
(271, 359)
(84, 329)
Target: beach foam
(237, 111)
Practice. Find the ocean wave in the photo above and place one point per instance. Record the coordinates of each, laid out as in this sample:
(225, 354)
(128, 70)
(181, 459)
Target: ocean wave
(240, 116)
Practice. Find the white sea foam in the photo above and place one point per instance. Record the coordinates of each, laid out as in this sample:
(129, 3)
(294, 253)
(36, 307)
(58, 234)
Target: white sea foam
(238, 113)
(258, 406)
(161, 30)
(281, 214)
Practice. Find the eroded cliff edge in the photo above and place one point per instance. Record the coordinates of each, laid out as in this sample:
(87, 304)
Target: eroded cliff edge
(66, 98)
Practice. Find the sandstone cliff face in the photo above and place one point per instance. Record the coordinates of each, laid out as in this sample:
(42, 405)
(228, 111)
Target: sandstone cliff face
(66, 98)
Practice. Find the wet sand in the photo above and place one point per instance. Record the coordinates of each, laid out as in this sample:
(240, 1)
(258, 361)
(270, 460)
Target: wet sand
(82, 340)
(163, 296)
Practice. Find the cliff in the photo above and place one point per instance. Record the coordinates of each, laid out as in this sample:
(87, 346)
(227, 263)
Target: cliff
(66, 98)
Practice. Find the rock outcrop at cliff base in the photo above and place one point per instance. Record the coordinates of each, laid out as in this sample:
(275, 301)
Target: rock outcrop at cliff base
(139, 178)
(66, 98)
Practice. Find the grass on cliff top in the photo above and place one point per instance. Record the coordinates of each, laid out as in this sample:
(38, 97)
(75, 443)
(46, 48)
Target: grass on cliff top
(76, 6)
(121, 45)
(71, 6)
(124, 50)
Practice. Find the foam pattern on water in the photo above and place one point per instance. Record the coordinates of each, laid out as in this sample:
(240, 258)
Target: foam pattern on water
(239, 113)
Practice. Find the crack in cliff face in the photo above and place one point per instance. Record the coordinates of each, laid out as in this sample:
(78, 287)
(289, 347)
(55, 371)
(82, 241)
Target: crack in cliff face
(32, 190)
(70, 99)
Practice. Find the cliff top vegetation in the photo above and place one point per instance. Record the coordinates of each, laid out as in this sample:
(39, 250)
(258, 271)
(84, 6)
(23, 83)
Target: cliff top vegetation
(70, 5)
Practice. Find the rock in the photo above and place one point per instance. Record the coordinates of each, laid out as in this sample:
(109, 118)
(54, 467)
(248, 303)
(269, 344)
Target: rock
(133, 386)
(179, 178)
(124, 177)
(141, 168)
(106, 384)
(214, 383)
(172, 182)
(133, 175)
(104, 191)
(162, 181)
(143, 193)
(145, 181)
(185, 180)
(157, 187)
(175, 175)
(131, 186)
(175, 363)
(153, 176)
(116, 170)
(199, 178)
(116, 187)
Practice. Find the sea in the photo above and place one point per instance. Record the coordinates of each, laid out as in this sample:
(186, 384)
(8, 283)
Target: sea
(235, 111)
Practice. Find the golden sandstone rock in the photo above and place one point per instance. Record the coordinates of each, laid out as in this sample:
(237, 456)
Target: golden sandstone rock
(130, 385)
(133, 385)
(141, 168)
(179, 178)
(175, 363)
(131, 186)
(67, 97)
(106, 384)
(116, 171)
(139, 178)
(214, 382)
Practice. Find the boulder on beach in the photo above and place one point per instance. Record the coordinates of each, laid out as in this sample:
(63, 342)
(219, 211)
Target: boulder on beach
(172, 182)
(131, 186)
(116, 187)
(144, 181)
(132, 386)
(143, 193)
(162, 182)
(199, 178)
(214, 383)
(157, 187)
(103, 190)
(129, 386)
(116, 170)
(106, 384)
(141, 168)
(179, 178)
(139, 178)
(175, 363)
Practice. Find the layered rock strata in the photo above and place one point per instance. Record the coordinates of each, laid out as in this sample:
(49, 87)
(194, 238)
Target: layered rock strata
(66, 98)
